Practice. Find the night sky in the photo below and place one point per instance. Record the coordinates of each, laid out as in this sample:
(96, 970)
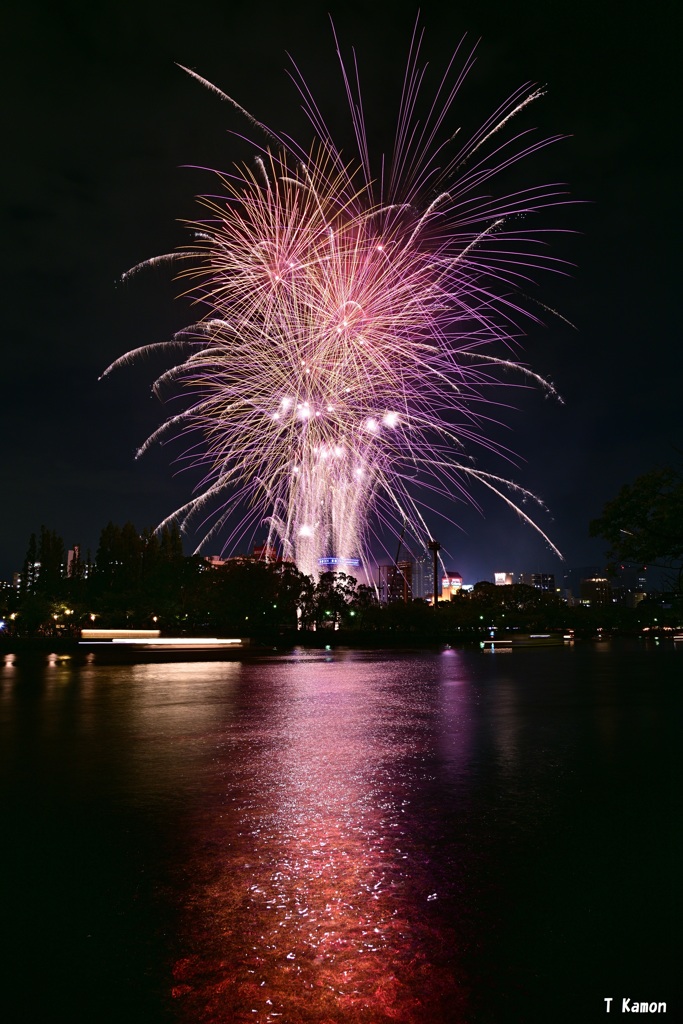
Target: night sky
(100, 127)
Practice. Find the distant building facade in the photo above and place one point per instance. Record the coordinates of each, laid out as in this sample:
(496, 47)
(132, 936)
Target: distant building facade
(539, 580)
(266, 553)
(395, 582)
(630, 586)
(596, 592)
(27, 580)
(260, 553)
(451, 584)
(423, 577)
(571, 580)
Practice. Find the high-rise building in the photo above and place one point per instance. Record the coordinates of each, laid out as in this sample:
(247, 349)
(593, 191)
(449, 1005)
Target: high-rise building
(395, 582)
(503, 579)
(596, 592)
(451, 584)
(74, 566)
(28, 580)
(539, 580)
(572, 579)
(423, 577)
(630, 585)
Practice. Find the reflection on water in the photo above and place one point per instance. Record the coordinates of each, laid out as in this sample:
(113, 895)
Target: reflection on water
(342, 837)
(318, 902)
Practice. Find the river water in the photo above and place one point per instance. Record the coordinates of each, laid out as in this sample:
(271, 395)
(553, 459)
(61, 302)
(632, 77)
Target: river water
(324, 837)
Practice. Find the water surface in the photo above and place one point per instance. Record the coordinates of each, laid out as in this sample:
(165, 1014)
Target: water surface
(341, 836)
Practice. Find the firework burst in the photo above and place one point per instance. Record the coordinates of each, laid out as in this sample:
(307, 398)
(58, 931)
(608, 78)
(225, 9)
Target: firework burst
(345, 363)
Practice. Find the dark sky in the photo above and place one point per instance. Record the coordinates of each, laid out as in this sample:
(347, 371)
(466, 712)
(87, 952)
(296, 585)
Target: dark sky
(99, 123)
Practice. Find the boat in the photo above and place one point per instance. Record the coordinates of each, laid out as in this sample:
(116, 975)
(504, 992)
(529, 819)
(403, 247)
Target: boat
(134, 644)
(506, 644)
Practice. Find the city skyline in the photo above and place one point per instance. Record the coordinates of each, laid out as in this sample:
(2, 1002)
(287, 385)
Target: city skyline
(404, 578)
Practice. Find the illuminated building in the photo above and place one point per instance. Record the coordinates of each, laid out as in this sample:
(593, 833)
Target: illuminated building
(74, 566)
(29, 579)
(572, 580)
(596, 592)
(539, 580)
(630, 585)
(395, 582)
(423, 579)
(261, 553)
(451, 584)
(503, 579)
(215, 561)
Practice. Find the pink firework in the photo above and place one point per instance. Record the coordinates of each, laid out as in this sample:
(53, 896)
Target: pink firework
(351, 327)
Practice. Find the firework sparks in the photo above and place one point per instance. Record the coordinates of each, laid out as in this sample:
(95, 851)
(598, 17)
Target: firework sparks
(342, 371)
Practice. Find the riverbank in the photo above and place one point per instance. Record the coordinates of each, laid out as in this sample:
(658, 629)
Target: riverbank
(284, 640)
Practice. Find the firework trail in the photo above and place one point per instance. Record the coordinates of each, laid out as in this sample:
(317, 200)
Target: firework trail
(342, 370)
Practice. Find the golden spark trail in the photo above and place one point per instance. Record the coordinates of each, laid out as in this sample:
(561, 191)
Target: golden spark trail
(347, 349)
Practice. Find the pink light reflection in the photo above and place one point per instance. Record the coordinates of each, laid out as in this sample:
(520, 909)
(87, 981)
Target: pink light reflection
(315, 901)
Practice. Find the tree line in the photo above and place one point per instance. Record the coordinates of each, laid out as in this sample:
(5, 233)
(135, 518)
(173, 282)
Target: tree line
(143, 578)
(643, 524)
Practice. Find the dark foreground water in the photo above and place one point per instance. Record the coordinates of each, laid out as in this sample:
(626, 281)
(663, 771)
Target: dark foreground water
(316, 838)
